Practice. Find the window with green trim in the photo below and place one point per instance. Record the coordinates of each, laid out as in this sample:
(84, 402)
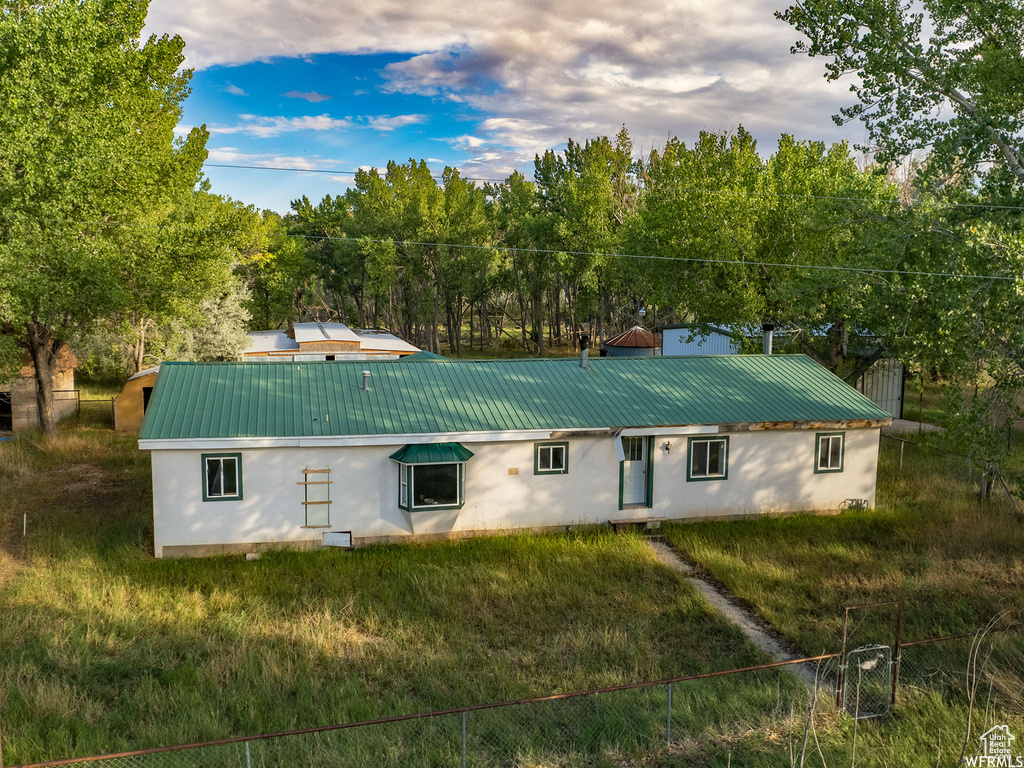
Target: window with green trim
(222, 476)
(708, 458)
(431, 486)
(551, 458)
(829, 450)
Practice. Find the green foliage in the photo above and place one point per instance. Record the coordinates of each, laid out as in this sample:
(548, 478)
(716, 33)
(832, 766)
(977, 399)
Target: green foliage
(217, 331)
(278, 276)
(943, 75)
(731, 216)
(87, 155)
(401, 224)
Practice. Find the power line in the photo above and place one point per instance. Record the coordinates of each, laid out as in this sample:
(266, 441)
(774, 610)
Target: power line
(648, 257)
(705, 190)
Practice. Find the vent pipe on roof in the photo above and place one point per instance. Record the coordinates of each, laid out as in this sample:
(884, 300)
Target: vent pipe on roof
(769, 330)
(366, 381)
(584, 347)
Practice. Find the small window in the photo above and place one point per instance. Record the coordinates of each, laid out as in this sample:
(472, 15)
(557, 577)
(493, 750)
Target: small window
(633, 448)
(222, 477)
(551, 458)
(317, 483)
(709, 458)
(829, 450)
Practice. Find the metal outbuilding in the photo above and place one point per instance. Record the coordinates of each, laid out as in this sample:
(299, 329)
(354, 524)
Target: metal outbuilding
(633, 342)
(132, 401)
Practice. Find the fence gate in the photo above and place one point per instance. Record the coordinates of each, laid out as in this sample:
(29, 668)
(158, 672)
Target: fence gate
(867, 681)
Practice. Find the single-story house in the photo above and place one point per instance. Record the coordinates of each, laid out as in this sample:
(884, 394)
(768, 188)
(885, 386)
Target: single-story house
(326, 341)
(250, 455)
(19, 409)
(132, 401)
(633, 342)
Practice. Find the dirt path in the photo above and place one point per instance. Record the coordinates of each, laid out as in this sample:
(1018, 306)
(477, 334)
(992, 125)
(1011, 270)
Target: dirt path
(748, 624)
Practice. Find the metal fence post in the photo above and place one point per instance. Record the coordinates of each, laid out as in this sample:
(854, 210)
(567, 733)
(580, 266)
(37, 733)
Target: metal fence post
(668, 720)
(248, 761)
(896, 657)
(842, 662)
(463, 739)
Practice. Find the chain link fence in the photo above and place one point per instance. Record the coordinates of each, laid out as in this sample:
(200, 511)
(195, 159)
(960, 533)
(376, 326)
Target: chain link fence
(787, 713)
(761, 708)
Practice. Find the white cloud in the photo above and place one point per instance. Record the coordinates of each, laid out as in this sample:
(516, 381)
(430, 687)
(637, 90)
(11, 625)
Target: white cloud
(235, 156)
(386, 123)
(234, 90)
(265, 127)
(467, 142)
(541, 71)
(312, 97)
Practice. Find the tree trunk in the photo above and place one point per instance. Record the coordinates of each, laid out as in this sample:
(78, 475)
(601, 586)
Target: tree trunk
(536, 325)
(42, 350)
(139, 353)
(485, 323)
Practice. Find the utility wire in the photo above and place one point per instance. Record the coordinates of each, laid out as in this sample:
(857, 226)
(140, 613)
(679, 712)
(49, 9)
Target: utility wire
(649, 257)
(743, 192)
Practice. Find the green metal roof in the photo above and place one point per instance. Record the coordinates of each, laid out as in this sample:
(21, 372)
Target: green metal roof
(312, 399)
(423, 356)
(432, 453)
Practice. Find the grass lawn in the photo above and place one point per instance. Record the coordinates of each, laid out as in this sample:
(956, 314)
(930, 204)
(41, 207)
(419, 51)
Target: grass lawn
(956, 563)
(103, 648)
(953, 561)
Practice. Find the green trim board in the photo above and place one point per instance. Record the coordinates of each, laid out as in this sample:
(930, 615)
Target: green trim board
(237, 458)
(818, 470)
(271, 399)
(538, 447)
(702, 442)
(649, 491)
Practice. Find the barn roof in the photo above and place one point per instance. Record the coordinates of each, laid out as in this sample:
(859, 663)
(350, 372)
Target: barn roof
(314, 399)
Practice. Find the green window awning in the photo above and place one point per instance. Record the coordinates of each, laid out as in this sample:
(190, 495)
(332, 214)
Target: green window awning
(432, 453)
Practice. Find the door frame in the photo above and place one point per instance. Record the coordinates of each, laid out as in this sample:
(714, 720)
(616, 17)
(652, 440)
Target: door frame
(648, 476)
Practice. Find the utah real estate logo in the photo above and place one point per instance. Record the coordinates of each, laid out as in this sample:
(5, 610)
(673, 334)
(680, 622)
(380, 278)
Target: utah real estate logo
(996, 750)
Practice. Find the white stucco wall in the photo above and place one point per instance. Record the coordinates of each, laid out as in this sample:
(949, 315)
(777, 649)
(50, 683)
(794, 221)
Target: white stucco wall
(771, 471)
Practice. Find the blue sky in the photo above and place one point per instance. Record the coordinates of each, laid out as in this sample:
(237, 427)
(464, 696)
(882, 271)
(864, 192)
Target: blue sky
(327, 112)
(346, 84)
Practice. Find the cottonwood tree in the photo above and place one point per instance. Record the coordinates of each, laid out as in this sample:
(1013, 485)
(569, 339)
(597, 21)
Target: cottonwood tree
(186, 265)
(87, 152)
(943, 75)
(408, 227)
(782, 239)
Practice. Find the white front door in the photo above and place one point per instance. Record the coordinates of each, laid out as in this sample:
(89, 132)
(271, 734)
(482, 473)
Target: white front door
(634, 471)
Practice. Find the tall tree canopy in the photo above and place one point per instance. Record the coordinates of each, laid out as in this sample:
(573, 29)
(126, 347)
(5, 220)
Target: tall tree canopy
(87, 153)
(942, 75)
